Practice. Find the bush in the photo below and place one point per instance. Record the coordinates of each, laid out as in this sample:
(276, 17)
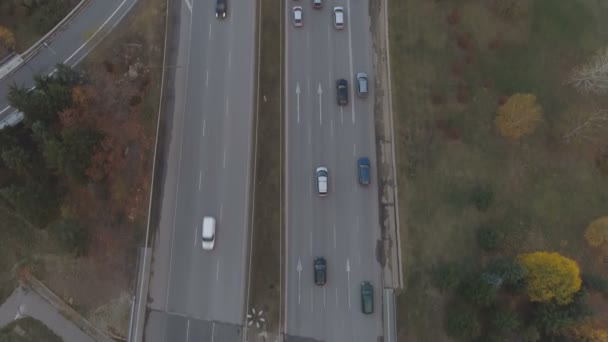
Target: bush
(446, 276)
(462, 323)
(489, 238)
(553, 318)
(595, 282)
(482, 197)
(73, 236)
(479, 290)
(511, 273)
(504, 321)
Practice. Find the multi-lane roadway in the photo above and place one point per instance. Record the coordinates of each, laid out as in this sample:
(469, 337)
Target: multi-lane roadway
(342, 227)
(198, 295)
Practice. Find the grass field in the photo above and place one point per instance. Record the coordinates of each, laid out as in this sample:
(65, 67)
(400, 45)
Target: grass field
(453, 63)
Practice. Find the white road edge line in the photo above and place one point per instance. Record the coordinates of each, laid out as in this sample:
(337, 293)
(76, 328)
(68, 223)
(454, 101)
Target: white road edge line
(162, 82)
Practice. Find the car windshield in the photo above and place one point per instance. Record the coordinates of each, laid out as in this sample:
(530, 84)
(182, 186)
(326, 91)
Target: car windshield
(322, 173)
(208, 238)
(221, 6)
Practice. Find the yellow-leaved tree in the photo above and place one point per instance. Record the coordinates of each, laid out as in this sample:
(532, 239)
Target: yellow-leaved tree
(597, 233)
(7, 41)
(550, 276)
(518, 116)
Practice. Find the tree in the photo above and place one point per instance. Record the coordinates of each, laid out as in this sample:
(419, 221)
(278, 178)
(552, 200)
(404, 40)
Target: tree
(482, 197)
(593, 76)
(18, 159)
(511, 273)
(7, 41)
(519, 116)
(34, 200)
(504, 321)
(595, 282)
(596, 233)
(462, 323)
(555, 319)
(479, 290)
(586, 126)
(71, 154)
(550, 276)
(489, 238)
(446, 276)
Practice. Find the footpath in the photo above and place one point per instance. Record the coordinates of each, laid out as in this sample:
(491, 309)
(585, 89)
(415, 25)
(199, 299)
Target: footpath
(34, 299)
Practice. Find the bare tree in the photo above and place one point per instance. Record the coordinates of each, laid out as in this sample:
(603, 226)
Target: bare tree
(589, 127)
(593, 76)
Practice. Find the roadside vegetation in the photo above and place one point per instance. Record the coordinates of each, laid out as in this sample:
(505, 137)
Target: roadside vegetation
(501, 116)
(23, 22)
(28, 330)
(266, 251)
(75, 174)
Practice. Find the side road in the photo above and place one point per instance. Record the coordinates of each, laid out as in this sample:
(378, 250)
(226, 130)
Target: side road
(37, 301)
(68, 43)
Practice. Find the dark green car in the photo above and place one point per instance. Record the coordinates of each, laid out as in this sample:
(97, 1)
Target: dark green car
(367, 298)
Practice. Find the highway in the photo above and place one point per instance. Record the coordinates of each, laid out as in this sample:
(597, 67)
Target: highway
(69, 45)
(198, 295)
(344, 226)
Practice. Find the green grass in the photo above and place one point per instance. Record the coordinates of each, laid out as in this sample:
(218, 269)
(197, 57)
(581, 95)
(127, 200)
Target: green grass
(28, 330)
(545, 191)
(265, 255)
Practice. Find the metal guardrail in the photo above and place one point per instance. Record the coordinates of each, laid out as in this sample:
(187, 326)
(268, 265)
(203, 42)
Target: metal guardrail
(389, 315)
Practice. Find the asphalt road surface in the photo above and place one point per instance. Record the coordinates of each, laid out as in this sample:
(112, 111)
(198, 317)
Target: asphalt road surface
(344, 226)
(198, 295)
(69, 45)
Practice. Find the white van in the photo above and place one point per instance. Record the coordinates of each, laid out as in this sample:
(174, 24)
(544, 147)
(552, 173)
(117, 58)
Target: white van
(322, 180)
(208, 235)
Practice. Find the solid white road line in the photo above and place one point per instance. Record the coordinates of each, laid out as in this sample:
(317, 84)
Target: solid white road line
(350, 56)
(217, 271)
(200, 179)
(187, 330)
(320, 93)
(298, 100)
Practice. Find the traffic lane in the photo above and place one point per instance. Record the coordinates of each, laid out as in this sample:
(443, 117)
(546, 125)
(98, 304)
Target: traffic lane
(163, 239)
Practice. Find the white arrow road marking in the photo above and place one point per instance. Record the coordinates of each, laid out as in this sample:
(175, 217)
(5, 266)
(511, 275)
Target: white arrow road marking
(299, 268)
(320, 93)
(348, 279)
(298, 100)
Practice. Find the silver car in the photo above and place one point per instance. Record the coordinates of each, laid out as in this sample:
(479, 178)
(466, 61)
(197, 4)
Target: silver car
(362, 84)
(339, 18)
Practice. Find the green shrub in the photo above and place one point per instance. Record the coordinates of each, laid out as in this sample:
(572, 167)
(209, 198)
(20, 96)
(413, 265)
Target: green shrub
(446, 276)
(595, 282)
(482, 197)
(478, 290)
(462, 323)
(489, 238)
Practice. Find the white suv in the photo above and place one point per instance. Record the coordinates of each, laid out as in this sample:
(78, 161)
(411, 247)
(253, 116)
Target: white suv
(339, 18)
(322, 180)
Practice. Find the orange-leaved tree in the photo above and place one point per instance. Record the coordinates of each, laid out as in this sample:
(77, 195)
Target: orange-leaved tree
(596, 233)
(550, 276)
(518, 116)
(7, 41)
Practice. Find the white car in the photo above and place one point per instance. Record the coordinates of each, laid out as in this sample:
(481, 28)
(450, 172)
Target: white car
(297, 16)
(317, 3)
(208, 234)
(322, 176)
(339, 18)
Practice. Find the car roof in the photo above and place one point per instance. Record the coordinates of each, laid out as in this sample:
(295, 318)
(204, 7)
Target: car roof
(208, 226)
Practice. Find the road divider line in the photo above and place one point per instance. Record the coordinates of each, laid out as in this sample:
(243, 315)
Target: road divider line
(206, 78)
(320, 93)
(200, 179)
(224, 162)
(331, 124)
(204, 122)
(312, 299)
(187, 330)
(348, 279)
(227, 105)
(298, 100)
(212, 331)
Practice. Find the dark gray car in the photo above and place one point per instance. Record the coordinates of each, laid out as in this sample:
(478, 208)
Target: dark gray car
(362, 84)
(342, 92)
(320, 269)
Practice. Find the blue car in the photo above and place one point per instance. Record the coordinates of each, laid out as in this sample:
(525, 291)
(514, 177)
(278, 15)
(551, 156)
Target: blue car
(364, 170)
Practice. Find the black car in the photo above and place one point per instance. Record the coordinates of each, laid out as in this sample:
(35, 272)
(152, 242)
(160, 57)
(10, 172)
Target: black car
(342, 92)
(220, 9)
(367, 298)
(320, 269)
